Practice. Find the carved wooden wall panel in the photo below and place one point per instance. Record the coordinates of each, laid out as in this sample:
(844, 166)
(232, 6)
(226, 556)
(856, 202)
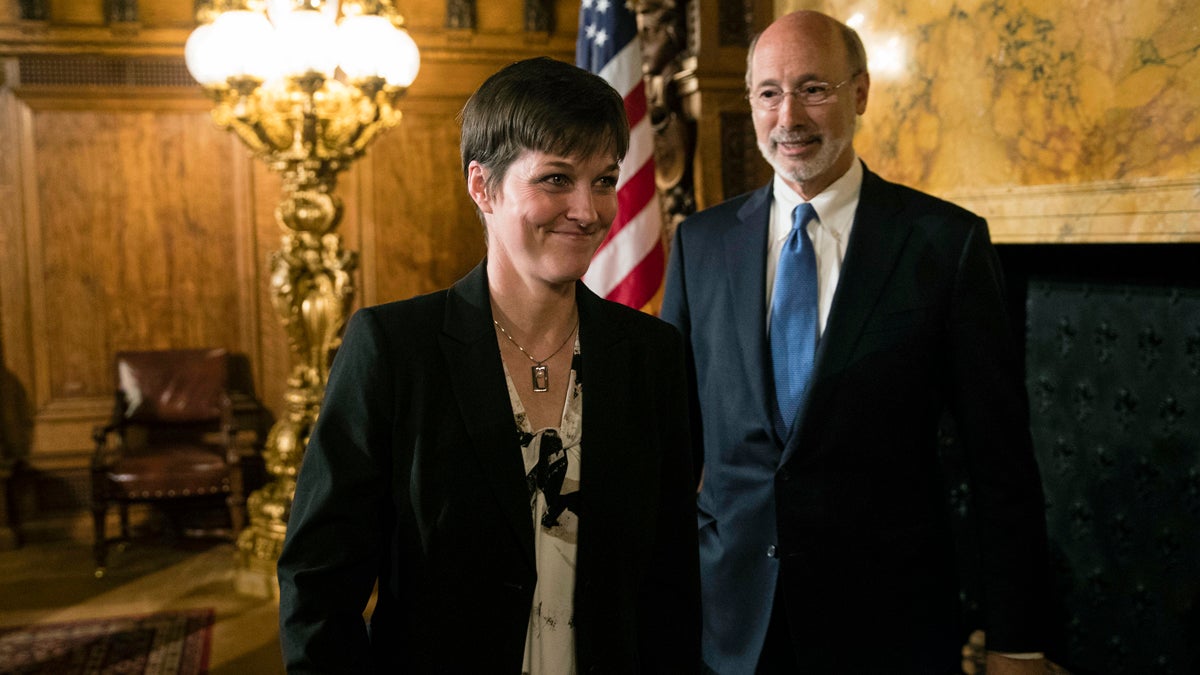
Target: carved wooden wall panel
(130, 240)
(131, 196)
(742, 165)
(426, 232)
(720, 33)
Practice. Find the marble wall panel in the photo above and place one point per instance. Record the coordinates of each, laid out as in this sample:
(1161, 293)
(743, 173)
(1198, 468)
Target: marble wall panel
(981, 99)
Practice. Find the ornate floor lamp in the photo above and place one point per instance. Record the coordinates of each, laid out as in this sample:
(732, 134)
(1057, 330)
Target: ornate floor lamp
(307, 85)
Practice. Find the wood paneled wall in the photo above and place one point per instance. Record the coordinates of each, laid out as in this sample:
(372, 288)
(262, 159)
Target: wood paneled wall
(129, 220)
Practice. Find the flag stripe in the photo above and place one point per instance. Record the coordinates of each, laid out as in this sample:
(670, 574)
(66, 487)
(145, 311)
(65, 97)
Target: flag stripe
(641, 152)
(625, 250)
(632, 200)
(640, 285)
(628, 266)
(635, 106)
(624, 73)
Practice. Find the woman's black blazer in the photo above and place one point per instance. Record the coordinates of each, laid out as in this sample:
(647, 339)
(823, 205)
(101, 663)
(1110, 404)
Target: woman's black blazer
(413, 477)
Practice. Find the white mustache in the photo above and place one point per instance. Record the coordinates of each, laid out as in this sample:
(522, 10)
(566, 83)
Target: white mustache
(785, 137)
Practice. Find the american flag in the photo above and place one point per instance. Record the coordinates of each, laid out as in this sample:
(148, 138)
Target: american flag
(628, 267)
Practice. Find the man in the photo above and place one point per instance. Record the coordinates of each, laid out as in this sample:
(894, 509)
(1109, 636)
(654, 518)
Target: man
(825, 540)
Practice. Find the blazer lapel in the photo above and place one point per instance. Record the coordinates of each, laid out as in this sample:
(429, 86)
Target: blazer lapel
(476, 376)
(876, 240)
(606, 357)
(745, 254)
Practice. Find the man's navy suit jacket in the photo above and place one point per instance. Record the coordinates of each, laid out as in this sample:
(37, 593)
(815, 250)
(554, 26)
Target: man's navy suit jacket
(849, 512)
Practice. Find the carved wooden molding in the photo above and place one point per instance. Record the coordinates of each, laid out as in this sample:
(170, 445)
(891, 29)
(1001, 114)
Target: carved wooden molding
(460, 14)
(120, 11)
(35, 10)
(669, 77)
(736, 22)
(739, 154)
(539, 16)
(89, 70)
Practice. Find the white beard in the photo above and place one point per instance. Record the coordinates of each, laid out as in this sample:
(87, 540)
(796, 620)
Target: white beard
(802, 171)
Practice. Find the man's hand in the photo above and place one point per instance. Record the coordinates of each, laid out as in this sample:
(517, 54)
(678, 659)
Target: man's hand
(998, 664)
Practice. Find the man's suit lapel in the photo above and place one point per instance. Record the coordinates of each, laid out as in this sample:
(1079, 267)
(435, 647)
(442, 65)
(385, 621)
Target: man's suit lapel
(876, 241)
(745, 254)
(476, 376)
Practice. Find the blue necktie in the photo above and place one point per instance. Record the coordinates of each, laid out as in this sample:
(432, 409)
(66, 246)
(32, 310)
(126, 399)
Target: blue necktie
(794, 319)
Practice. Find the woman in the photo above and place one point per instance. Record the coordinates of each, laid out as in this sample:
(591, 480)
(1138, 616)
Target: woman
(449, 461)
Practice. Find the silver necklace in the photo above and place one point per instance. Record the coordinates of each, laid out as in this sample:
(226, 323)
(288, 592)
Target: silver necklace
(539, 371)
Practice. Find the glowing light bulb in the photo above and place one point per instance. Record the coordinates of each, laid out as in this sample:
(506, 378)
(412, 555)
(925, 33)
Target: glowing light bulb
(237, 44)
(370, 46)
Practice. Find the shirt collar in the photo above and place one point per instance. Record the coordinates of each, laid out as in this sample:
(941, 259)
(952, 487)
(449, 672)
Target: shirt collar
(835, 205)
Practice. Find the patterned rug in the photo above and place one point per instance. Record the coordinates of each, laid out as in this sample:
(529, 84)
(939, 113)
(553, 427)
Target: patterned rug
(166, 643)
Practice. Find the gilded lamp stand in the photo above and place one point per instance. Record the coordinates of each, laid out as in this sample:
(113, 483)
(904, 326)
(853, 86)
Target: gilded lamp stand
(306, 85)
(312, 288)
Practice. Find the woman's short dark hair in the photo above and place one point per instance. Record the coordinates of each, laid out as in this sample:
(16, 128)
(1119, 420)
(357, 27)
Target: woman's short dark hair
(543, 105)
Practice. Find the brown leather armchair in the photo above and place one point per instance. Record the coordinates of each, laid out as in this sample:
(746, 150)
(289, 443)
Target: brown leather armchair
(171, 440)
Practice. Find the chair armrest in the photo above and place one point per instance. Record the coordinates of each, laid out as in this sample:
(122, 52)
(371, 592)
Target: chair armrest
(115, 421)
(100, 432)
(238, 442)
(105, 451)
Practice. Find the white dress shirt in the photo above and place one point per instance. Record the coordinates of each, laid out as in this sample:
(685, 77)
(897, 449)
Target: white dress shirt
(830, 232)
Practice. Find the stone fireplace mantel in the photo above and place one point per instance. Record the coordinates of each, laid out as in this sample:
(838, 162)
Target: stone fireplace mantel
(1152, 210)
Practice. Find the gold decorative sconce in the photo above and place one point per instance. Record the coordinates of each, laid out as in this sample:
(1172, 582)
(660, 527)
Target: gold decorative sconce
(306, 85)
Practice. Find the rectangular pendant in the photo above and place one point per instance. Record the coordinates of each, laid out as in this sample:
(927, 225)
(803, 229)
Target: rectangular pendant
(541, 378)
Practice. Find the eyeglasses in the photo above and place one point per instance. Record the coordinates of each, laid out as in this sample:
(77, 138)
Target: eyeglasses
(816, 93)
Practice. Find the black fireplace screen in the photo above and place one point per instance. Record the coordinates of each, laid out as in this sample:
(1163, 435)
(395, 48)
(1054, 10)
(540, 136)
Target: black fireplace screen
(1113, 373)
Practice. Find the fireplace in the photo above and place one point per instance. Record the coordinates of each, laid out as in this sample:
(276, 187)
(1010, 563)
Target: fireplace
(1112, 361)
